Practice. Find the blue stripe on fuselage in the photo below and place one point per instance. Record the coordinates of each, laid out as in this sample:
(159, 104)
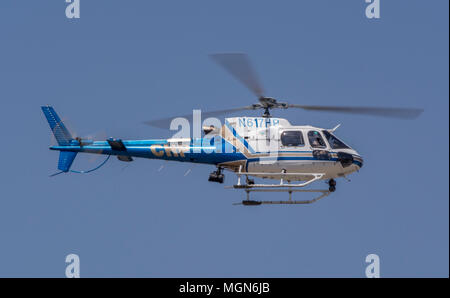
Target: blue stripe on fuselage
(207, 155)
(235, 134)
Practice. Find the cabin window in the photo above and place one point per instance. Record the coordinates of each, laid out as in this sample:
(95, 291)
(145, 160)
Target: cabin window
(334, 142)
(316, 140)
(292, 138)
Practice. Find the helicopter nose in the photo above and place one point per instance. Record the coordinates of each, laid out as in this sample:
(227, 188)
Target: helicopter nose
(346, 159)
(359, 161)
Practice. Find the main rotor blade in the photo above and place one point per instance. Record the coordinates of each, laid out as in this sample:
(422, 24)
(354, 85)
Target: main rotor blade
(403, 113)
(164, 123)
(239, 65)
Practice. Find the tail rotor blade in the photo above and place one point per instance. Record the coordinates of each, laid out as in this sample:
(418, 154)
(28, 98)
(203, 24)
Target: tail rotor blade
(96, 136)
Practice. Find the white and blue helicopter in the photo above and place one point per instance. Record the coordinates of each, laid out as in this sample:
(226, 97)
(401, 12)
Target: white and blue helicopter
(251, 147)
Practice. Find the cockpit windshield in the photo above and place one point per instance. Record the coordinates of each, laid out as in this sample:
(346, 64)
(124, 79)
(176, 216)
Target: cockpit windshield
(334, 142)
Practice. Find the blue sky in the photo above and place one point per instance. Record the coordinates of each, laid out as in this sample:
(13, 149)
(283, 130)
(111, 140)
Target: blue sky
(124, 62)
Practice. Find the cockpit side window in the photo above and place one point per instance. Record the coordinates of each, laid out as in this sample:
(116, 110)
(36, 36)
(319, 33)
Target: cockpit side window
(334, 142)
(316, 140)
(292, 138)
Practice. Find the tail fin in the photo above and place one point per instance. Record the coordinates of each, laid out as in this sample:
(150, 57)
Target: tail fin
(62, 135)
(65, 160)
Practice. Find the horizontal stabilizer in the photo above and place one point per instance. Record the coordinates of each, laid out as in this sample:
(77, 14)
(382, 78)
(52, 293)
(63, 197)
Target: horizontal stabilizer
(124, 158)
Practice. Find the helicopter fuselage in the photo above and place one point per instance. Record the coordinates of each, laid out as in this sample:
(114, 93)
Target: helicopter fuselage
(261, 146)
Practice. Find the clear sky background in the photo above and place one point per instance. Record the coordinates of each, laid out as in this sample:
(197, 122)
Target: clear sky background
(124, 62)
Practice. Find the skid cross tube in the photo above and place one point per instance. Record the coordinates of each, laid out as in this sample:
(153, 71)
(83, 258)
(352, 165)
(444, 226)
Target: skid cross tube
(283, 174)
(281, 187)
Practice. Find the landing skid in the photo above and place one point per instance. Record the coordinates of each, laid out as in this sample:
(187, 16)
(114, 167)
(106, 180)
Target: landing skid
(249, 202)
(281, 187)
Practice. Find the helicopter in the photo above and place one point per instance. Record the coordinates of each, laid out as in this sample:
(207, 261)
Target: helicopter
(263, 147)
